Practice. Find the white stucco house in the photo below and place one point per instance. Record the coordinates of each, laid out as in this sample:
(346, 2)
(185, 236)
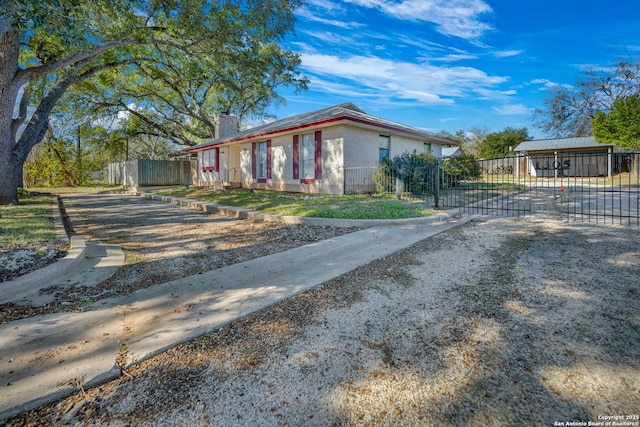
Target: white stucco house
(307, 153)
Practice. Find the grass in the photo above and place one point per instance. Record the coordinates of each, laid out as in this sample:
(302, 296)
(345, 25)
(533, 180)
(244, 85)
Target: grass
(80, 189)
(28, 223)
(355, 206)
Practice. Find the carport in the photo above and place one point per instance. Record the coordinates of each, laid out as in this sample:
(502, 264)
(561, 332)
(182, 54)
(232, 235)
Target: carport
(569, 157)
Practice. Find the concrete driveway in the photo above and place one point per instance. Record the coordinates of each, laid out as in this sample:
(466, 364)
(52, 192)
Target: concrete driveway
(47, 357)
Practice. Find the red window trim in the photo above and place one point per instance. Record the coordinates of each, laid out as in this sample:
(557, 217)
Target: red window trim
(296, 156)
(268, 159)
(318, 154)
(317, 137)
(215, 168)
(254, 158)
(254, 162)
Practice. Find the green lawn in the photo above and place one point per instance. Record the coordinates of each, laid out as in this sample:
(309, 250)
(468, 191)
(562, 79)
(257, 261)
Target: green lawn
(79, 189)
(319, 206)
(28, 223)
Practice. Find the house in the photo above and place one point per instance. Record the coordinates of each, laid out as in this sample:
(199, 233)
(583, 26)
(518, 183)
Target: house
(579, 156)
(452, 152)
(307, 153)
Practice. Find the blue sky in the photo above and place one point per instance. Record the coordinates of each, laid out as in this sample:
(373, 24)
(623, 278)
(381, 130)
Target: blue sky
(454, 64)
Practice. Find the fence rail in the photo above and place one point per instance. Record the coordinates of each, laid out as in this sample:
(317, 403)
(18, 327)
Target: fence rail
(593, 187)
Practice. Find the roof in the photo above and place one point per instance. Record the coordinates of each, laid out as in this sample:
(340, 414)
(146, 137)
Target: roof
(560, 144)
(450, 151)
(347, 112)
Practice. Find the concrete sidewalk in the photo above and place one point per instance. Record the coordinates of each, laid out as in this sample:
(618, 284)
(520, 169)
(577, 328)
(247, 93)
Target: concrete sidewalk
(48, 357)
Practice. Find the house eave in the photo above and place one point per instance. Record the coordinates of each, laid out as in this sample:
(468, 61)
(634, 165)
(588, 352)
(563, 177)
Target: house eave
(318, 124)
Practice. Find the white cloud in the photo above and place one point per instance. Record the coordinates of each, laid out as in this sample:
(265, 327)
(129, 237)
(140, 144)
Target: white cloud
(455, 57)
(446, 119)
(307, 14)
(548, 84)
(400, 80)
(458, 18)
(512, 110)
(333, 38)
(507, 53)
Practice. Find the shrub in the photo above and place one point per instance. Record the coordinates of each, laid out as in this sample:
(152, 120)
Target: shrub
(385, 176)
(456, 169)
(416, 171)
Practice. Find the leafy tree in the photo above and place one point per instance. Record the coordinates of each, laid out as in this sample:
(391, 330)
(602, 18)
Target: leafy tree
(460, 168)
(459, 135)
(500, 144)
(470, 140)
(621, 126)
(569, 110)
(117, 51)
(62, 161)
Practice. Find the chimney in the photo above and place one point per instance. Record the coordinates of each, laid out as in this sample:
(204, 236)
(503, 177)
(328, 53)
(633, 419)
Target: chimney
(226, 125)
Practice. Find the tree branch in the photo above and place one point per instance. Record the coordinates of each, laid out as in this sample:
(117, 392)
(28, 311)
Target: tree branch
(37, 126)
(22, 111)
(24, 75)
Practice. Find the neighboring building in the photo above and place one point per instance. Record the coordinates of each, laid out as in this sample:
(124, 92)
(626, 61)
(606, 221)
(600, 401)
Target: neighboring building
(452, 152)
(580, 156)
(308, 153)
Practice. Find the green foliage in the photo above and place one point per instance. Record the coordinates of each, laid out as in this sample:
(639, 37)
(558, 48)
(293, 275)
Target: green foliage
(418, 171)
(469, 139)
(569, 110)
(499, 144)
(60, 162)
(421, 171)
(461, 168)
(415, 169)
(174, 65)
(197, 59)
(385, 176)
(621, 126)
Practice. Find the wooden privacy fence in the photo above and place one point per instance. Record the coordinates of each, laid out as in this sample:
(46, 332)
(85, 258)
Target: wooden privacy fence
(150, 173)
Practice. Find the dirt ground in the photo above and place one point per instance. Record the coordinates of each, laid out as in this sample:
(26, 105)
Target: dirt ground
(496, 322)
(162, 242)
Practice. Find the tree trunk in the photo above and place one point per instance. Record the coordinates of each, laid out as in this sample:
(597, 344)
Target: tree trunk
(10, 167)
(13, 153)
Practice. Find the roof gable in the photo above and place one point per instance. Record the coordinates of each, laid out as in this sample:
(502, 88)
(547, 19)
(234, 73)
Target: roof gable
(346, 111)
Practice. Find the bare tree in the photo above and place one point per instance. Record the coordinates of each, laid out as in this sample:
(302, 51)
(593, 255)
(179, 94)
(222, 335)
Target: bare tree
(569, 110)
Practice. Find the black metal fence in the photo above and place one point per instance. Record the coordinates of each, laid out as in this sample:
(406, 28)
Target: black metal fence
(592, 187)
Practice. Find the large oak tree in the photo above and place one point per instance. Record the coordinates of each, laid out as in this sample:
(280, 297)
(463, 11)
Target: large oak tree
(178, 59)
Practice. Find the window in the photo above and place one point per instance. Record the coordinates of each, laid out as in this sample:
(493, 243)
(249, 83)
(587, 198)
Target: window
(384, 143)
(262, 160)
(210, 160)
(427, 147)
(307, 157)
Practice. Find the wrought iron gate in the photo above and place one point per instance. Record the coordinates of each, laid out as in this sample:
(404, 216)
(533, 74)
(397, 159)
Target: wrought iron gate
(592, 187)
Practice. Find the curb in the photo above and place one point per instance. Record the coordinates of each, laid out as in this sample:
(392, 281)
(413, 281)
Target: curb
(53, 271)
(242, 213)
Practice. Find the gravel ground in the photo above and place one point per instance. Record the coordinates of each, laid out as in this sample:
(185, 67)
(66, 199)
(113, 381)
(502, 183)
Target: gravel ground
(497, 322)
(15, 262)
(161, 242)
